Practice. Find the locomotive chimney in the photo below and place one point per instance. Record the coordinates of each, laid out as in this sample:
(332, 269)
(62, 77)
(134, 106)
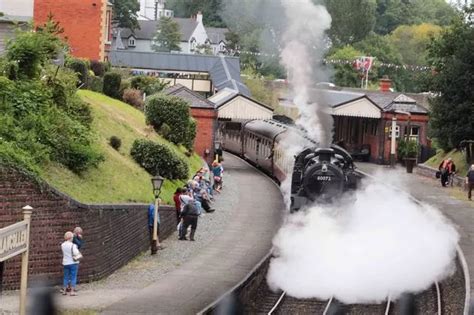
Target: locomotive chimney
(385, 84)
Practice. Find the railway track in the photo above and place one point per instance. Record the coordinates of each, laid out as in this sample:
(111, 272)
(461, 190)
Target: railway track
(428, 302)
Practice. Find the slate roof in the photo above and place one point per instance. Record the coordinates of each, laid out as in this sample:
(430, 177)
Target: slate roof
(148, 29)
(223, 70)
(230, 94)
(227, 75)
(195, 99)
(392, 101)
(387, 101)
(15, 18)
(216, 35)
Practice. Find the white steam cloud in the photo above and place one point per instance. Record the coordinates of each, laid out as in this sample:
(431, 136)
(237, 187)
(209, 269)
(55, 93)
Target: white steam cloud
(375, 244)
(303, 43)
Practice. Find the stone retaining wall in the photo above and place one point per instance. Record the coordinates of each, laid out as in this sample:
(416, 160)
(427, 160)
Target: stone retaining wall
(113, 234)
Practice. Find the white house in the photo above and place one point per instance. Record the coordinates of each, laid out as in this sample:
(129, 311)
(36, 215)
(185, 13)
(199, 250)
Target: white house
(18, 8)
(193, 35)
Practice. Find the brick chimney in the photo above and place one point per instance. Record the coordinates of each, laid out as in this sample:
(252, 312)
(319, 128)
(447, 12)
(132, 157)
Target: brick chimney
(385, 84)
(199, 17)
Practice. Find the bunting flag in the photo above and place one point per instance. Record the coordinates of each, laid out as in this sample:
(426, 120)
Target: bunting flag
(371, 63)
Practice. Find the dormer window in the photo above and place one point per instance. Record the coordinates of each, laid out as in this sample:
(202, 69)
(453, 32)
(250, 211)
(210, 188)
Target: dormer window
(131, 42)
(222, 46)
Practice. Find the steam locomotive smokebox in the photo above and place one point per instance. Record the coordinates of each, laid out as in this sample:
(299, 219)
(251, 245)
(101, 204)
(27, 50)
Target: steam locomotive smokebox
(324, 154)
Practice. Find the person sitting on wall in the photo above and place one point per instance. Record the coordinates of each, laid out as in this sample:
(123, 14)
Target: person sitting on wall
(447, 169)
(78, 240)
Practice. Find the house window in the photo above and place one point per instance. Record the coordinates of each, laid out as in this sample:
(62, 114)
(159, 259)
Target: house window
(131, 42)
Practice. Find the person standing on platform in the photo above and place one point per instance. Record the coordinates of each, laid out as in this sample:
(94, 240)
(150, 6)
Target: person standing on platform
(177, 202)
(447, 169)
(151, 219)
(470, 182)
(71, 256)
(78, 240)
(190, 215)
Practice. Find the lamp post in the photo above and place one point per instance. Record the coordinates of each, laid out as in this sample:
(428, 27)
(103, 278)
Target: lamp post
(217, 150)
(393, 141)
(157, 182)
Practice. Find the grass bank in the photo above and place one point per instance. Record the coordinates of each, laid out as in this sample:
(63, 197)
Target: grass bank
(118, 179)
(458, 157)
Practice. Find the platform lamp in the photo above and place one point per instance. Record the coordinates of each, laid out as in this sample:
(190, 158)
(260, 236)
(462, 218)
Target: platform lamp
(217, 148)
(157, 182)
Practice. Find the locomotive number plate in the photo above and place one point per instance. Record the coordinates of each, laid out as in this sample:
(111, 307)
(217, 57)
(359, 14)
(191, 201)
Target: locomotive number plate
(324, 178)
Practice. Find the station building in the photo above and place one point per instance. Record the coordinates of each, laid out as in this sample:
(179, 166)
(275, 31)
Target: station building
(363, 120)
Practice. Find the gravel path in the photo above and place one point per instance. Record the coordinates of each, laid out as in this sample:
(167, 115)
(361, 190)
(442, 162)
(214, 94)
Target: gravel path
(145, 269)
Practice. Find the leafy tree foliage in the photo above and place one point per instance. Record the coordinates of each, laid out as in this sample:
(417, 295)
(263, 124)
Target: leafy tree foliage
(390, 14)
(173, 111)
(167, 35)
(412, 41)
(209, 8)
(452, 110)
(125, 13)
(112, 83)
(345, 75)
(148, 85)
(352, 20)
(42, 118)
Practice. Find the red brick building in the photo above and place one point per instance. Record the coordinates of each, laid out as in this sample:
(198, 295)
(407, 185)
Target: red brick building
(204, 113)
(86, 23)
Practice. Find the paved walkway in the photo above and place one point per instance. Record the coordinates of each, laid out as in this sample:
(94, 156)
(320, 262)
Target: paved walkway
(187, 276)
(452, 202)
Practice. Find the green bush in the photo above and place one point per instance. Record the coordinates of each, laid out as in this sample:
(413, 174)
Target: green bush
(156, 159)
(148, 85)
(407, 149)
(165, 130)
(173, 111)
(190, 135)
(95, 84)
(80, 67)
(124, 85)
(115, 142)
(112, 84)
(98, 68)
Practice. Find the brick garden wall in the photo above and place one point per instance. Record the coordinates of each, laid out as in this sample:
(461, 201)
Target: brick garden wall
(114, 234)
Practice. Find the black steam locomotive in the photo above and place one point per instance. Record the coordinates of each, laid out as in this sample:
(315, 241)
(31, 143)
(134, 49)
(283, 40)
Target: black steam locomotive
(319, 174)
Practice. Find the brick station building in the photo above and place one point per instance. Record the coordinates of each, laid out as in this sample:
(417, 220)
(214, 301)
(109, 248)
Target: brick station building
(363, 119)
(204, 113)
(86, 23)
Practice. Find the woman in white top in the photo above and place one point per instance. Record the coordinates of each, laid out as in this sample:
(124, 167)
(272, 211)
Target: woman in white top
(70, 265)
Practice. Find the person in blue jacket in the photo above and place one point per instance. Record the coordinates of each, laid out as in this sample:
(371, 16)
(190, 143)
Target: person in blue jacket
(151, 218)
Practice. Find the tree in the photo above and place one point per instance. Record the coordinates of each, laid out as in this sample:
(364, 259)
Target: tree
(210, 10)
(352, 20)
(125, 14)
(345, 74)
(390, 14)
(452, 110)
(412, 41)
(168, 35)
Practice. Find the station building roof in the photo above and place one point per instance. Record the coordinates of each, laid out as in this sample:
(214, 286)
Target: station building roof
(223, 70)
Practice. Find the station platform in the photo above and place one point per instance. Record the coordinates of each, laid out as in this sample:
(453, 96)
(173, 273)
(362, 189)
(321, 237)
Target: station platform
(187, 276)
(452, 202)
(256, 205)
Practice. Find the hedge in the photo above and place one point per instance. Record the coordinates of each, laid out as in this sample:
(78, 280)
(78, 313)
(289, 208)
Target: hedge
(157, 158)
